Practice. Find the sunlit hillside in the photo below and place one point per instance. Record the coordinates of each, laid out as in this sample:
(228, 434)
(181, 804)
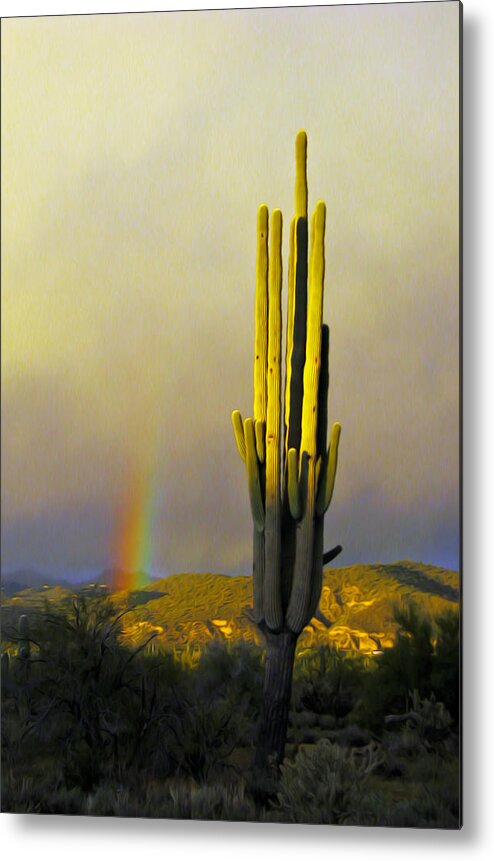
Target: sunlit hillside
(185, 611)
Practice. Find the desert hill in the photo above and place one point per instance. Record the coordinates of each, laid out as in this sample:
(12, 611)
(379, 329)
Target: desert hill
(184, 612)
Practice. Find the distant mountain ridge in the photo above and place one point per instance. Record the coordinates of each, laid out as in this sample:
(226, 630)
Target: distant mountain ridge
(187, 611)
(31, 578)
(28, 578)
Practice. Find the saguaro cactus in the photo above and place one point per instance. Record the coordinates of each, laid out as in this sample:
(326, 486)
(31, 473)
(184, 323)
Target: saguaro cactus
(290, 471)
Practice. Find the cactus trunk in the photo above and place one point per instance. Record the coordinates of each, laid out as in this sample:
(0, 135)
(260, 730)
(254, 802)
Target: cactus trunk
(288, 496)
(280, 656)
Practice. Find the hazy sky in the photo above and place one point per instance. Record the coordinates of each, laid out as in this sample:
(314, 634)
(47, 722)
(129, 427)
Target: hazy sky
(135, 152)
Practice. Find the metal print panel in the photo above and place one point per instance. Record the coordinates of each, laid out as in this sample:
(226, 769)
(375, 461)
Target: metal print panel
(230, 415)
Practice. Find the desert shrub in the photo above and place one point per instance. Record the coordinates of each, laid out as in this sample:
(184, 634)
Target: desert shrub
(425, 660)
(21, 794)
(324, 784)
(327, 683)
(430, 807)
(99, 712)
(200, 737)
(182, 798)
(404, 743)
(232, 675)
(433, 722)
(432, 769)
(90, 704)
(351, 735)
(445, 672)
(229, 802)
(303, 719)
(308, 727)
(231, 665)
(405, 667)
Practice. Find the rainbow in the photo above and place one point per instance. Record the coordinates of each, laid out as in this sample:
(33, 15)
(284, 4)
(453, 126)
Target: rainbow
(133, 545)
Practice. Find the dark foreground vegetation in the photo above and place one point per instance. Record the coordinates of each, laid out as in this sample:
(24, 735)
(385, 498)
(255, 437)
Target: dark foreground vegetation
(92, 727)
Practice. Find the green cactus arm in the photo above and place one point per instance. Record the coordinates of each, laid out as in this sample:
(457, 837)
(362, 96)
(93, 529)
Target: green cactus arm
(238, 430)
(272, 531)
(322, 426)
(328, 473)
(254, 484)
(261, 317)
(24, 626)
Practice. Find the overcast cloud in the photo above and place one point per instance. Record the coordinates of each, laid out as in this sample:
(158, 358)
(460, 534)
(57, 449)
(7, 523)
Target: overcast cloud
(136, 150)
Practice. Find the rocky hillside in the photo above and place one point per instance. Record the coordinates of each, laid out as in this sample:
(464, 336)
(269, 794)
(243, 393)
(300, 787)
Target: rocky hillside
(187, 611)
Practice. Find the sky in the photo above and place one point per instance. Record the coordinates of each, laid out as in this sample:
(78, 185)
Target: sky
(136, 150)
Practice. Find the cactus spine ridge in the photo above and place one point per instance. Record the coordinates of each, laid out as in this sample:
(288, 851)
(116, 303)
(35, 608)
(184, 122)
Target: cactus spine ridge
(289, 327)
(272, 532)
(260, 431)
(301, 193)
(261, 317)
(293, 487)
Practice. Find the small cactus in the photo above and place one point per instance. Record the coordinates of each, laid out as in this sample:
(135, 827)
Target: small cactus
(290, 470)
(24, 650)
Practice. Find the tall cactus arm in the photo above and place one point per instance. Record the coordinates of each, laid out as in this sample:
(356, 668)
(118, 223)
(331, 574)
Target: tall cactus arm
(321, 433)
(322, 395)
(260, 395)
(293, 498)
(324, 495)
(295, 391)
(254, 483)
(272, 532)
(290, 315)
(297, 297)
(301, 193)
(300, 599)
(293, 403)
(261, 318)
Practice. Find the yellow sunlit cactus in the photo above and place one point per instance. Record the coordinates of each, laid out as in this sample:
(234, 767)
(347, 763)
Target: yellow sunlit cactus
(290, 480)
